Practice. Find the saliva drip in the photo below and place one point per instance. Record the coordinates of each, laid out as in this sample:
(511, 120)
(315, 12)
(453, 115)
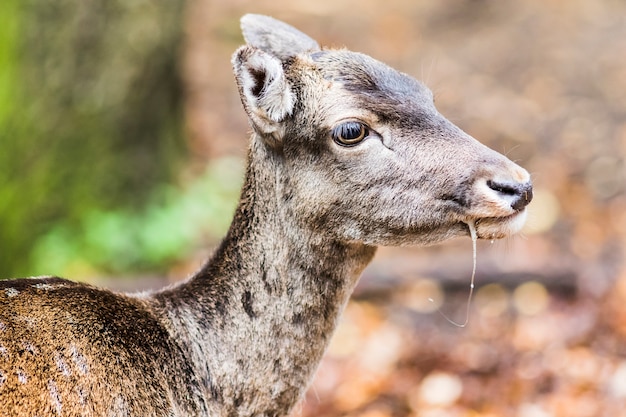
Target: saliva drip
(472, 228)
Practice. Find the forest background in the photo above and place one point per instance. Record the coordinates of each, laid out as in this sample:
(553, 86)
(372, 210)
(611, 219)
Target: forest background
(122, 142)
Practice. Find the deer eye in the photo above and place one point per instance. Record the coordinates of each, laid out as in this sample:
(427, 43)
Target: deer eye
(350, 133)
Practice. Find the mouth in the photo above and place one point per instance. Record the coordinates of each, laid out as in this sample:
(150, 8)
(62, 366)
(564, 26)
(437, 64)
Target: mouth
(500, 227)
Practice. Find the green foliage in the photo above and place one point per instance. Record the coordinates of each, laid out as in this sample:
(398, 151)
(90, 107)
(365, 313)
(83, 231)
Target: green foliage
(90, 114)
(118, 241)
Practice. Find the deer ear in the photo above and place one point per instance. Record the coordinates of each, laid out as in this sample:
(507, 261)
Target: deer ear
(275, 37)
(266, 94)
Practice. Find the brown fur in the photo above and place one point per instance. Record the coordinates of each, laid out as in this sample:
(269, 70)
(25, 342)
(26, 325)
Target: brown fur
(243, 336)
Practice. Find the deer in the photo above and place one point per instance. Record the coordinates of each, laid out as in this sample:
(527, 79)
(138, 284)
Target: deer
(346, 154)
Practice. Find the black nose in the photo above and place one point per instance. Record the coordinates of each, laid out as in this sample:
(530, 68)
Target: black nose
(519, 194)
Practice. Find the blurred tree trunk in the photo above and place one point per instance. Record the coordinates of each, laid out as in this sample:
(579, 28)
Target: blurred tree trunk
(96, 120)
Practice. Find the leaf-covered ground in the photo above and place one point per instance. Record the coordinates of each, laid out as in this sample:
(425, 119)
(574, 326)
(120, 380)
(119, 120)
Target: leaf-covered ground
(525, 352)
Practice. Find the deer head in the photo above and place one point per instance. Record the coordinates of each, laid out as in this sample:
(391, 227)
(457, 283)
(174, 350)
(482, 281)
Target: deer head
(367, 155)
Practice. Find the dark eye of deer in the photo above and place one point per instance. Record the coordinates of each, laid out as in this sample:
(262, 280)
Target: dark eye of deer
(349, 133)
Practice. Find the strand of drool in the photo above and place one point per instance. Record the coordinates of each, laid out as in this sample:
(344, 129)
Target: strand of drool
(472, 229)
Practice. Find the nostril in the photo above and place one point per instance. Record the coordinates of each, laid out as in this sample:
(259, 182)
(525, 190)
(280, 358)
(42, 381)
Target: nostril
(508, 189)
(519, 194)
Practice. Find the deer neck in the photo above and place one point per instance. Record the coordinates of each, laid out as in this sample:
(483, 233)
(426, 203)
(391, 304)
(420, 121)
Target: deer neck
(256, 319)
